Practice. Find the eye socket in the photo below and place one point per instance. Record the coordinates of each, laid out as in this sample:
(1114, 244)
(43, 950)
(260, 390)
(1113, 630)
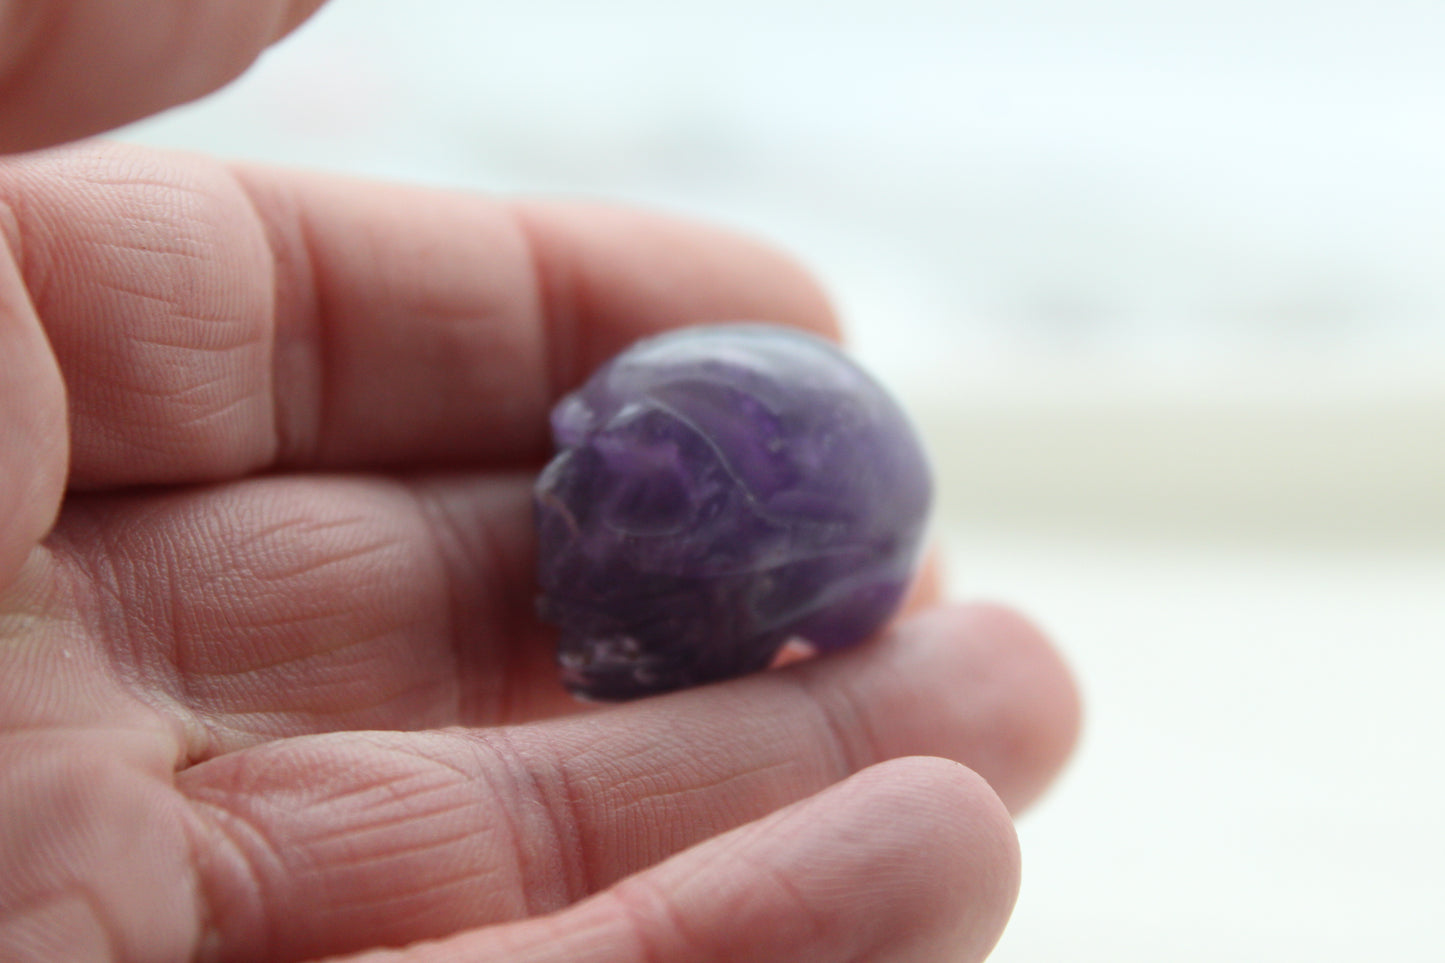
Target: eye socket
(650, 499)
(647, 486)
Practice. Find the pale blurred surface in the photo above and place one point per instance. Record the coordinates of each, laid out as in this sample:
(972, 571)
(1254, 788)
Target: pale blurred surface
(1166, 290)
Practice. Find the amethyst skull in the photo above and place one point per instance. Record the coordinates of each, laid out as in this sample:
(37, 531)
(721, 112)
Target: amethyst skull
(718, 491)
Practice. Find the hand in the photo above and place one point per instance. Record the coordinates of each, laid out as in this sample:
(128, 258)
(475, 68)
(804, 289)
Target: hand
(270, 687)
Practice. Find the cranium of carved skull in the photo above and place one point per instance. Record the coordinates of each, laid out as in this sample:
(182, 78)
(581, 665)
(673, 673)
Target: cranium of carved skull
(716, 492)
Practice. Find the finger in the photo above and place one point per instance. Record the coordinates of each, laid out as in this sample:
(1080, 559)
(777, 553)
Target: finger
(424, 326)
(924, 592)
(32, 421)
(927, 588)
(94, 861)
(212, 323)
(283, 606)
(912, 860)
(394, 837)
(70, 68)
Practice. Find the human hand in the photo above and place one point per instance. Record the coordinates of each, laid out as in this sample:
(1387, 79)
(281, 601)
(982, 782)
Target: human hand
(270, 685)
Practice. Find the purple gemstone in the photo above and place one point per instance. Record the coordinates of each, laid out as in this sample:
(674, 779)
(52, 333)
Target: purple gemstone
(718, 491)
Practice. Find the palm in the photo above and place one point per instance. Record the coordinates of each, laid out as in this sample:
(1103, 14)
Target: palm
(296, 546)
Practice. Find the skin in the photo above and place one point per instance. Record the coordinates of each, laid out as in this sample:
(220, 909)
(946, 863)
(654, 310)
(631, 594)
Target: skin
(270, 687)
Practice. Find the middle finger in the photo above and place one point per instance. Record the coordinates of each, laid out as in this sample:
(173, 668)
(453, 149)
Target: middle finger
(278, 607)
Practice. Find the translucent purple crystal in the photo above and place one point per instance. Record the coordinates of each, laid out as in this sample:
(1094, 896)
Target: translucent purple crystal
(717, 492)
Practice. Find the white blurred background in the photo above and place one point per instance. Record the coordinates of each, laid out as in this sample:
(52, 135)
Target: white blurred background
(1165, 286)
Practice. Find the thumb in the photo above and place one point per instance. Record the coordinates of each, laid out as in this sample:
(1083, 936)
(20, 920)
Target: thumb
(71, 68)
(33, 434)
(911, 860)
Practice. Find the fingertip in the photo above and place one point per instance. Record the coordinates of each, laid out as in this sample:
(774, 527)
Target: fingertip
(295, 14)
(927, 587)
(69, 70)
(912, 859)
(610, 275)
(972, 855)
(974, 682)
(1036, 710)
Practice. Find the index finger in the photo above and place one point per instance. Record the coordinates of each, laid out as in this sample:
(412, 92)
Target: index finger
(212, 322)
(71, 68)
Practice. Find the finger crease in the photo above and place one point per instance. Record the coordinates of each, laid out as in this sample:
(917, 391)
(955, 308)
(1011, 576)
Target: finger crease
(559, 808)
(296, 422)
(842, 722)
(238, 849)
(556, 306)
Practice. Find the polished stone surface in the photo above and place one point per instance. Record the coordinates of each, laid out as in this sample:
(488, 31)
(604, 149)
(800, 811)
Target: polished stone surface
(718, 491)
